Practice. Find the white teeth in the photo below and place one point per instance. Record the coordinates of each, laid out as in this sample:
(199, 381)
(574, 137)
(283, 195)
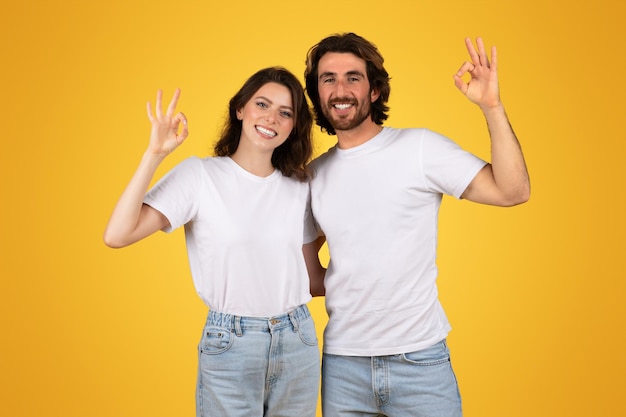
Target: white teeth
(265, 131)
(342, 106)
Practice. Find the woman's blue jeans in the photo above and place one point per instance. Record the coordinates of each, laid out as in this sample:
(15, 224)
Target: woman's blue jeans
(258, 367)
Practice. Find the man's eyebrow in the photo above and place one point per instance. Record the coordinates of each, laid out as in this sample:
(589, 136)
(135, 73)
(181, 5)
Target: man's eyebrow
(334, 74)
(327, 74)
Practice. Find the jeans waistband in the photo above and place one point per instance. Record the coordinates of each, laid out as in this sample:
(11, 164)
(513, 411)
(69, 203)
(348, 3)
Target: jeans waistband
(239, 323)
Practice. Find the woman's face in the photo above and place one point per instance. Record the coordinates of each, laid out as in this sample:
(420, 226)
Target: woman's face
(267, 118)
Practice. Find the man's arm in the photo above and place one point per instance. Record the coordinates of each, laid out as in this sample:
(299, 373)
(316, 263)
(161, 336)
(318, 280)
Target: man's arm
(314, 267)
(505, 181)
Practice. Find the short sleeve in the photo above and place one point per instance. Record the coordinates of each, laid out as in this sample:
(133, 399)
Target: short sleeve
(175, 195)
(311, 229)
(447, 168)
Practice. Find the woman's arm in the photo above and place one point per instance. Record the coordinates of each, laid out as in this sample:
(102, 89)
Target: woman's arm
(132, 220)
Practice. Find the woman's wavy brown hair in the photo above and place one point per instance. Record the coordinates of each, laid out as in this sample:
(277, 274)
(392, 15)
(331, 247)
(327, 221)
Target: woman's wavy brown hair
(376, 73)
(291, 157)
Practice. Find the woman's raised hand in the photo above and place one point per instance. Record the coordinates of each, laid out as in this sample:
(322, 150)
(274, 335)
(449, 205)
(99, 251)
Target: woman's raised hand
(166, 134)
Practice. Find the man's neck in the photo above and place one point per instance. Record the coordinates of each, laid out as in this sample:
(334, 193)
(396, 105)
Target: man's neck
(347, 139)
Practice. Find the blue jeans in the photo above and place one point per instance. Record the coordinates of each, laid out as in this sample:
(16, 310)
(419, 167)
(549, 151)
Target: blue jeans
(257, 367)
(415, 384)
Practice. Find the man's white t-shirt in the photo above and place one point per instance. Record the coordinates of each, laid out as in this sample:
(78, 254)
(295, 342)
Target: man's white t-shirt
(377, 204)
(244, 234)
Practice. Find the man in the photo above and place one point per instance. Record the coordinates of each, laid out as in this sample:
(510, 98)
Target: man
(375, 197)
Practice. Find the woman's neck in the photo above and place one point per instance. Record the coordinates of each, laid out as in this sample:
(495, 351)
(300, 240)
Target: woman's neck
(259, 164)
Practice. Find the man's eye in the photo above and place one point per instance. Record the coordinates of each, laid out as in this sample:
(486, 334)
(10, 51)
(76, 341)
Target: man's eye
(328, 80)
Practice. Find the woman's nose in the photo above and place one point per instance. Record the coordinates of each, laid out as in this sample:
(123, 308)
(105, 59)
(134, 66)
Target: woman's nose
(270, 116)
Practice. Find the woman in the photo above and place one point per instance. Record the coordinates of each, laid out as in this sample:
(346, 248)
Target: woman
(244, 217)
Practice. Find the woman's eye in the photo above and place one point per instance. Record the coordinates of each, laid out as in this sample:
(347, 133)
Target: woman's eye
(286, 114)
(261, 104)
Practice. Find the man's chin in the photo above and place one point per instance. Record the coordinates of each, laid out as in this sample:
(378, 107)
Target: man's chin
(346, 124)
(343, 123)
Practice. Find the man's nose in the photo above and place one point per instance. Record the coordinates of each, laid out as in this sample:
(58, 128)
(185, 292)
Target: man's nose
(341, 89)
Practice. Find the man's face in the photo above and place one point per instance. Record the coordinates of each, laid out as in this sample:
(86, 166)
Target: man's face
(344, 90)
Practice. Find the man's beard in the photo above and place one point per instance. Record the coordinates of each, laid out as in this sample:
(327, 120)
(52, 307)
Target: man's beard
(346, 123)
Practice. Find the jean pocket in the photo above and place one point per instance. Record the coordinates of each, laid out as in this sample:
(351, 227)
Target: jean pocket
(306, 330)
(435, 355)
(215, 340)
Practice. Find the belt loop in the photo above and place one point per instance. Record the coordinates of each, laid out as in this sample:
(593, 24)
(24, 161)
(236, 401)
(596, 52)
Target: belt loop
(294, 321)
(238, 331)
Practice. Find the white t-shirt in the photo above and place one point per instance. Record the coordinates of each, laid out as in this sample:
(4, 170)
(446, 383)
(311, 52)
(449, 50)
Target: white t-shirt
(244, 234)
(377, 204)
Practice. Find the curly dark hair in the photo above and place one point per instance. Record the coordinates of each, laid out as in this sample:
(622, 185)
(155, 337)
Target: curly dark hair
(292, 156)
(376, 74)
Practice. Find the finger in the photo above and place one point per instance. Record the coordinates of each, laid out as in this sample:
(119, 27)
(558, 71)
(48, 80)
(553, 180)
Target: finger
(466, 67)
(149, 109)
(181, 118)
(158, 103)
(472, 51)
(172, 107)
(482, 53)
(185, 131)
(183, 134)
(460, 84)
(494, 58)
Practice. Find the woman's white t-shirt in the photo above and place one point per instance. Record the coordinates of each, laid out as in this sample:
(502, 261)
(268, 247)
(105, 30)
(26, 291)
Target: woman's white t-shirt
(244, 234)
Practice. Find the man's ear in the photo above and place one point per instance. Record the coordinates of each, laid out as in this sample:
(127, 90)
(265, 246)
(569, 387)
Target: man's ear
(374, 94)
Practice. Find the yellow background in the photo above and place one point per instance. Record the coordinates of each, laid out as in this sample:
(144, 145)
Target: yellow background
(535, 293)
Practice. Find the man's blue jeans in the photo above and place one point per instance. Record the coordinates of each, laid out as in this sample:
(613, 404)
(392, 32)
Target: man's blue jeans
(415, 384)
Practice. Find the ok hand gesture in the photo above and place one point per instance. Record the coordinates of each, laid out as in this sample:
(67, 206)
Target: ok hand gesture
(165, 135)
(482, 88)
